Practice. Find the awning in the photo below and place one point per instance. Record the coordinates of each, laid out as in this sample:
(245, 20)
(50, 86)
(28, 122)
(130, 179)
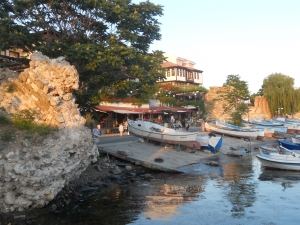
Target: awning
(151, 110)
(121, 110)
(126, 112)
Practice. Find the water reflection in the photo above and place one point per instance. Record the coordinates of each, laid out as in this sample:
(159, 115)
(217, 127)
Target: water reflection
(238, 191)
(237, 179)
(171, 195)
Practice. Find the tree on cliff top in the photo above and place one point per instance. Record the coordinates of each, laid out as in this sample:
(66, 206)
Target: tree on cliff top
(235, 91)
(280, 93)
(107, 42)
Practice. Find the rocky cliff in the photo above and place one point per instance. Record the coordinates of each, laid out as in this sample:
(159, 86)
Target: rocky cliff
(33, 172)
(216, 112)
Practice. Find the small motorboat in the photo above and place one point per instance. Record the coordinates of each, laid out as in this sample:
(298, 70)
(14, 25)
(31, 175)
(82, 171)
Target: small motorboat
(289, 144)
(280, 161)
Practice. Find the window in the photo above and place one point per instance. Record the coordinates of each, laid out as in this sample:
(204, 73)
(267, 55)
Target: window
(173, 72)
(168, 73)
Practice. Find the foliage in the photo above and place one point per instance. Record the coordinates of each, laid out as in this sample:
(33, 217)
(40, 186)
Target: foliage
(200, 106)
(4, 118)
(7, 136)
(10, 87)
(107, 42)
(279, 91)
(234, 93)
(192, 89)
(24, 120)
(89, 120)
(236, 117)
(168, 100)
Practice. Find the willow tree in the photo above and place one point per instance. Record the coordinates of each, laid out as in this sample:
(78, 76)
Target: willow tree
(107, 41)
(280, 93)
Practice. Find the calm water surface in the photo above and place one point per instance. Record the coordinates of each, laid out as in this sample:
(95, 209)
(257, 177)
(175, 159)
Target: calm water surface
(239, 191)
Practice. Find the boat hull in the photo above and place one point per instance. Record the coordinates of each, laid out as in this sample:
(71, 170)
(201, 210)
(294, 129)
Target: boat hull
(278, 161)
(289, 145)
(155, 132)
(252, 135)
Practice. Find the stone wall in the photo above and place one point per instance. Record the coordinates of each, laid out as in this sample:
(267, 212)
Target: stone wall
(260, 108)
(32, 173)
(214, 107)
(216, 112)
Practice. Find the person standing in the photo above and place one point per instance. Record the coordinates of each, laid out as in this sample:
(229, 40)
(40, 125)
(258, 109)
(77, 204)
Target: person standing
(96, 132)
(121, 129)
(99, 129)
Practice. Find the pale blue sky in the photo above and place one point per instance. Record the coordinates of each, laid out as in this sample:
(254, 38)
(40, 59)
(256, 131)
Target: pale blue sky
(252, 38)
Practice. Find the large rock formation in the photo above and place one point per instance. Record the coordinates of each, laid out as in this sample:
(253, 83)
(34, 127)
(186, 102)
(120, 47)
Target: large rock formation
(260, 109)
(215, 106)
(32, 174)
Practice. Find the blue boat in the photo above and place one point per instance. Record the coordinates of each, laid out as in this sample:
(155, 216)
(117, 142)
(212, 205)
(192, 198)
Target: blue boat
(210, 142)
(289, 145)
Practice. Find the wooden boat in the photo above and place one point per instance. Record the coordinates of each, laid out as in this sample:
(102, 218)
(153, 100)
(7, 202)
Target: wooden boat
(267, 149)
(261, 131)
(155, 132)
(210, 142)
(280, 161)
(268, 130)
(289, 145)
(265, 122)
(249, 134)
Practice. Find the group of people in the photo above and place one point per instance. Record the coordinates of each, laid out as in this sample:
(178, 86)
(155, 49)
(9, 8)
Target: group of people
(122, 128)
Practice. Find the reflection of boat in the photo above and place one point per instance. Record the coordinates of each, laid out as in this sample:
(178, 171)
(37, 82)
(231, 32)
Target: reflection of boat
(280, 161)
(251, 134)
(156, 132)
(280, 175)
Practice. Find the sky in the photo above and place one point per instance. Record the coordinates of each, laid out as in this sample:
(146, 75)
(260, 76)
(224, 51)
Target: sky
(249, 38)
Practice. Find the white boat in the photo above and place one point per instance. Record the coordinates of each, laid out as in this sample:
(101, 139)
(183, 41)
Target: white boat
(296, 139)
(249, 134)
(261, 131)
(267, 149)
(155, 132)
(263, 122)
(280, 161)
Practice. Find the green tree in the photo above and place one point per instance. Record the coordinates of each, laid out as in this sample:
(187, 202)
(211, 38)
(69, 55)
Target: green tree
(234, 93)
(279, 91)
(107, 41)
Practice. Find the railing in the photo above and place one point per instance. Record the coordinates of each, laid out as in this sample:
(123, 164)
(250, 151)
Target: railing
(11, 63)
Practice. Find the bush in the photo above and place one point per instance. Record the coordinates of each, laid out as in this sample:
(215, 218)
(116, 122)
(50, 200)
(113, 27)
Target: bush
(24, 120)
(7, 136)
(89, 121)
(4, 118)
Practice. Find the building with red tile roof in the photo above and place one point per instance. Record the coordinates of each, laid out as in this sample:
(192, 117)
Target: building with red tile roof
(181, 72)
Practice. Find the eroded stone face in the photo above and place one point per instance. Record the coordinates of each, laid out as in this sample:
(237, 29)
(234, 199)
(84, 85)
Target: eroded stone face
(32, 174)
(216, 111)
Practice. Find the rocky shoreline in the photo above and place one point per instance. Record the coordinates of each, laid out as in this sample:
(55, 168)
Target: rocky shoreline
(105, 173)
